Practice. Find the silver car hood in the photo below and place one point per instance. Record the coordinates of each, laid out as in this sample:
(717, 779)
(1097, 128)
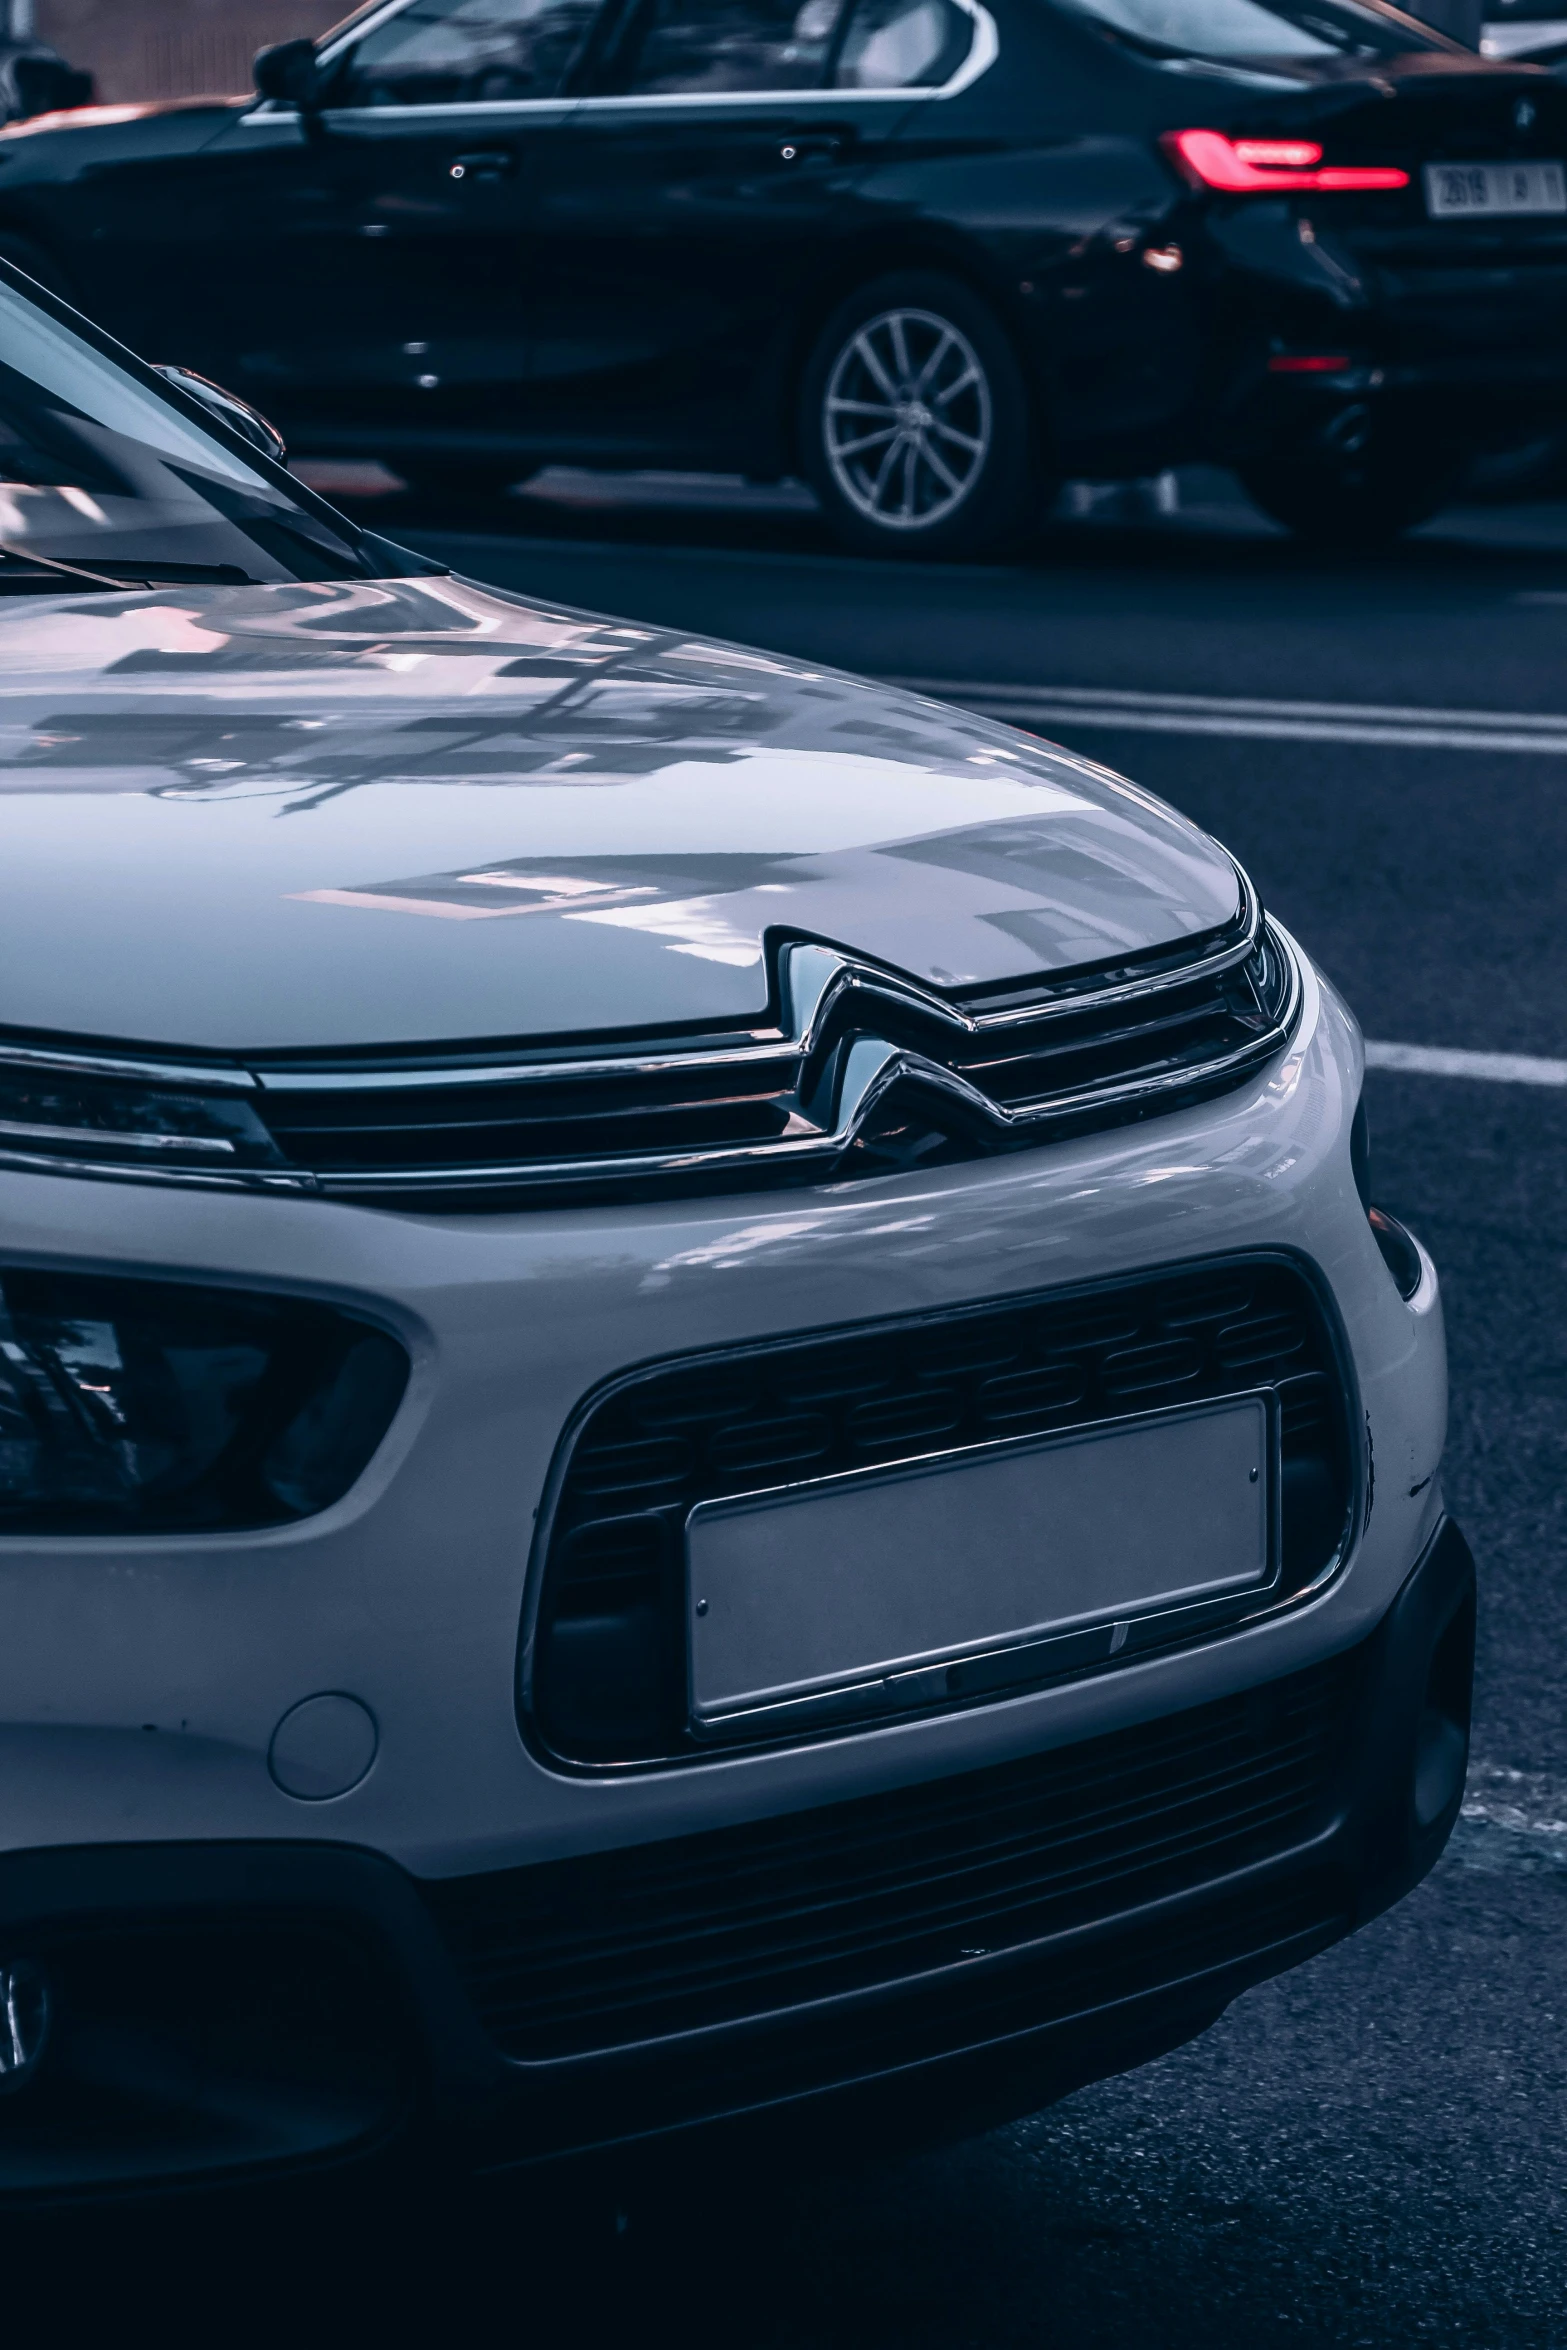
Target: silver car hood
(421, 813)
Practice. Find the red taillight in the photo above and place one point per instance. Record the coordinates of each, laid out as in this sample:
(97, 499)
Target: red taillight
(1254, 167)
(1308, 363)
(1278, 154)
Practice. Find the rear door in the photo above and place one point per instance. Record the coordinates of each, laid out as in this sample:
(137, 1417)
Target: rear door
(707, 184)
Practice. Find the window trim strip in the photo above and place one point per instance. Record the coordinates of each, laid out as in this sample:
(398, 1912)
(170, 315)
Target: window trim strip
(984, 48)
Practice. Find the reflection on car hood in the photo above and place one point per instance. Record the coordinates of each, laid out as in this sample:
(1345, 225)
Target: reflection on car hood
(420, 813)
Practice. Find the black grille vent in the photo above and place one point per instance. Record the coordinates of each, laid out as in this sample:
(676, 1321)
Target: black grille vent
(629, 1946)
(608, 1682)
(370, 1130)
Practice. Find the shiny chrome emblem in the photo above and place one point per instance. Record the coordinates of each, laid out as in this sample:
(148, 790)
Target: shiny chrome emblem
(24, 2022)
(1523, 114)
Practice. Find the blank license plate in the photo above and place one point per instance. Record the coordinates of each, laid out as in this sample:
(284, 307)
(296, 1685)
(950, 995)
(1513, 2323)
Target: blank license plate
(1487, 190)
(884, 1571)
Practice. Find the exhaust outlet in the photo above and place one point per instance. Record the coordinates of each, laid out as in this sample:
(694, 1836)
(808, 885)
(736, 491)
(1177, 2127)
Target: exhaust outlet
(1346, 433)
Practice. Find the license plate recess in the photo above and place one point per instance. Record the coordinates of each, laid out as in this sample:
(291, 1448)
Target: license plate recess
(909, 1578)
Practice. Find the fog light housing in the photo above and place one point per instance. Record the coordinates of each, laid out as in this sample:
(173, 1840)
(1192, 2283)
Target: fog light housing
(161, 1407)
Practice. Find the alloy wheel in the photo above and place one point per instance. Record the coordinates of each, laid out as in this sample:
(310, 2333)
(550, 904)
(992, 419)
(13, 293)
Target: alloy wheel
(907, 425)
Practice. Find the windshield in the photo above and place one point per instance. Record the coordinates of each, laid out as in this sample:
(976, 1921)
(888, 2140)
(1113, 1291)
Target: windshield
(1260, 31)
(103, 469)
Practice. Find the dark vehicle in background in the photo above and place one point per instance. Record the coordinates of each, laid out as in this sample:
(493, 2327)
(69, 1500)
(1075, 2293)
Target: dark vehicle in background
(931, 255)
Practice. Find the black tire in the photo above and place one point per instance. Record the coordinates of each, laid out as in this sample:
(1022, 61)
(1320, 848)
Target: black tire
(1536, 468)
(1362, 501)
(463, 481)
(23, 254)
(984, 425)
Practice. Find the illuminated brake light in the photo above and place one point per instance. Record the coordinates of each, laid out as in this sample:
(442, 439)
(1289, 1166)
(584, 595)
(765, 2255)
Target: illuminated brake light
(1255, 167)
(1279, 154)
(1308, 363)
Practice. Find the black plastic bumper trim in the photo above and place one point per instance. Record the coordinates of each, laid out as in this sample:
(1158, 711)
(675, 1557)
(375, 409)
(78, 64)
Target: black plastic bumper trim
(968, 2040)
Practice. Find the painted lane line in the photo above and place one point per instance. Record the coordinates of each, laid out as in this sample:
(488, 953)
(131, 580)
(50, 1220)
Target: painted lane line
(1390, 713)
(1424, 1060)
(1379, 726)
(1412, 738)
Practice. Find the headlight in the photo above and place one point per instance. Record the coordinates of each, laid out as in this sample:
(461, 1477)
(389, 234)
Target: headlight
(56, 1115)
(153, 1407)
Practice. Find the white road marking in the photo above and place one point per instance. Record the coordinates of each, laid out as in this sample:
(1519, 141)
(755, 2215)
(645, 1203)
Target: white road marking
(1427, 1060)
(1511, 1820)
(1394, 726)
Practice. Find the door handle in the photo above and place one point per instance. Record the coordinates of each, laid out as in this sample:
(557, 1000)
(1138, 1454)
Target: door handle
(491, 164)
(815, 146)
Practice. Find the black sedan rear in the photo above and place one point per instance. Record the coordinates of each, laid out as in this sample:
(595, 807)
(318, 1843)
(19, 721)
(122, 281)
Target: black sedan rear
(932, 255)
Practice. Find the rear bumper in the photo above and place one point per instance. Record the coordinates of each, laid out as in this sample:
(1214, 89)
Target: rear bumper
(1468, 401)
(224, 2008)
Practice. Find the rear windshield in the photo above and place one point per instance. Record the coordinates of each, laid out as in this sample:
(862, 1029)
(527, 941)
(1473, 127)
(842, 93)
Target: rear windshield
(1259, 32)
(103, 470)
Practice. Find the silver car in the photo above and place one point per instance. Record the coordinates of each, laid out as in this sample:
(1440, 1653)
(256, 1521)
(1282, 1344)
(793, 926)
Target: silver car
(703, 1424)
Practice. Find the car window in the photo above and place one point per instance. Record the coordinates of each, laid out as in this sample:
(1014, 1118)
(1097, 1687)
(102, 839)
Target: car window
(1253, 31)
(903, 45)
(703, 45)
(464, 53)
(101, 470)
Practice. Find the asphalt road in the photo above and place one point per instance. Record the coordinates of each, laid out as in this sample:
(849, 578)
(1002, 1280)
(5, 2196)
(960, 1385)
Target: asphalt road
(1368, 2151)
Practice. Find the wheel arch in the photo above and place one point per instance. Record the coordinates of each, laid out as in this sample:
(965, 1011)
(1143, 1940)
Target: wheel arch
(916, 245)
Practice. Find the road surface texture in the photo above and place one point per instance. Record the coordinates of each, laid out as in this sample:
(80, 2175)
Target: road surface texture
(1370, 2150)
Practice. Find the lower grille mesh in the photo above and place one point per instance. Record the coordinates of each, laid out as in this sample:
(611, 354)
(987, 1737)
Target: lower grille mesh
(609, 1671)
(631, 1946)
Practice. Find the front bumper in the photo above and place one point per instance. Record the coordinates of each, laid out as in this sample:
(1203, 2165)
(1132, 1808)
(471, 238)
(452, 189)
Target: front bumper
(141, 1683)
(178, 2057)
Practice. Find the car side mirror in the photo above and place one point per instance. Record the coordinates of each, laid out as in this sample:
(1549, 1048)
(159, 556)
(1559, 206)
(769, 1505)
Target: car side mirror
(288, 71)
(229, 409)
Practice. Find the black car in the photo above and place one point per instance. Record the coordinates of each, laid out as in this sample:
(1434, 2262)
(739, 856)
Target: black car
(930, 254)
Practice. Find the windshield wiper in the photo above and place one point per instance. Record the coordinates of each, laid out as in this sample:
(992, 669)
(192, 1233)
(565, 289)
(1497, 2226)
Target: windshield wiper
(174, 574)
(142, 575)
(32, 562)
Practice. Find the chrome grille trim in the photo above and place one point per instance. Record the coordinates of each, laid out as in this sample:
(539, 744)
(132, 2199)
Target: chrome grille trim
(189, 1076)
(824, 1064)
(138, 1171)
(16, 1132)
